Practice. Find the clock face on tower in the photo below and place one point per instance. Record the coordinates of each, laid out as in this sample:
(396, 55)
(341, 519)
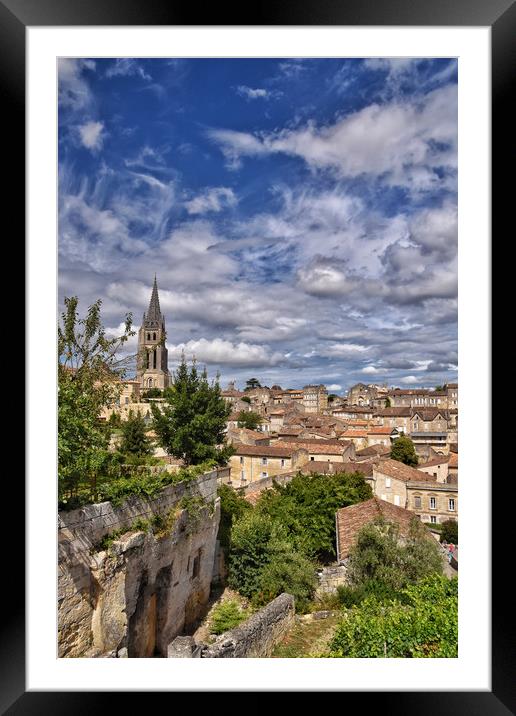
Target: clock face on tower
(152, 351)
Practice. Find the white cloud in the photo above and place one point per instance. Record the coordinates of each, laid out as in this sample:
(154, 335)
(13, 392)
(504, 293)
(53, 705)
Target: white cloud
(92, 135)
(410, 379)
(125, 67)
(333, 387)
(74, 91)
(220, 351)
(214, 200)
(402, 140)
(370, 370)
(258, 93)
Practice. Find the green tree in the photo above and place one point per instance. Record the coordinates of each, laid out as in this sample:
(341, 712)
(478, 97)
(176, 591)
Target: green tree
(387, 402)
(191, 422)
(450, 532)
(403, 450)
(306, 508)
(263, 562)
(232, 507)
(152, 393)
(246, 399)
(134, 436)
(423, 624)
(248, 419)
(252, 383)
(439, 388)
(382, 563)
(89, 372)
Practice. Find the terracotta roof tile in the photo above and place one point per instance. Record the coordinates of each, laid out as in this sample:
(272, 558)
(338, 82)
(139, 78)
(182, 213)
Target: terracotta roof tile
(400, 471)
(350, 521)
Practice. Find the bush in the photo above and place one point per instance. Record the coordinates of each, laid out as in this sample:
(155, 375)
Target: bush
(232, 507)
(227, 615)
(381, 564)
(306, 508)
(287, 571)
(450, 532)
(404, 451)
(424, 624)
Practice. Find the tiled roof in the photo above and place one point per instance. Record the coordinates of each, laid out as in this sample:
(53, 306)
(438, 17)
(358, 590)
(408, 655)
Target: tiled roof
(380, 430)
(400, 471)
(402, 412)
(429, 414)
(373, 450)
(436, 461)
(265, 450)
(453, 460)
(317, 447)
(353, 434)
(350, 521)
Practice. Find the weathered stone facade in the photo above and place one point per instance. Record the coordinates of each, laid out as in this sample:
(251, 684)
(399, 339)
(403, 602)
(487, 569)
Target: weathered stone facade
(145, 588)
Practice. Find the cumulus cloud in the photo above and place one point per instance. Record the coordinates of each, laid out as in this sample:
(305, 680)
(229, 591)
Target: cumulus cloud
(92, 135)
(219, 351)
(215, 199)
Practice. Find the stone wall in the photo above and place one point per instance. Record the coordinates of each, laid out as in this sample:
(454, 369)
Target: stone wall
(145, 588)
(254, 638)
(330, 578)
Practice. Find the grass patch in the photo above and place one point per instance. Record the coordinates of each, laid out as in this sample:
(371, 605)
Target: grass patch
(306, 638)
(227, 615)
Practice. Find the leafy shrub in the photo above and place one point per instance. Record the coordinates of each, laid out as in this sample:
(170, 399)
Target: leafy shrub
(307, 505)
(232, 506)
(450, 532)
(424, 624)
(227, 615)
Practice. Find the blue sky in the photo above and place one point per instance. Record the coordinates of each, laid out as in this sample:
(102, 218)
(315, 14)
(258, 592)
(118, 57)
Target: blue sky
(300, 214)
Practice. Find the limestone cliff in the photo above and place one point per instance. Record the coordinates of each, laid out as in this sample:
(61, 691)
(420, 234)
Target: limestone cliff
(133, 597)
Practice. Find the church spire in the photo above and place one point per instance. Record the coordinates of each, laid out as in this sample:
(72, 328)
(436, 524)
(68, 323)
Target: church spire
(154, 317)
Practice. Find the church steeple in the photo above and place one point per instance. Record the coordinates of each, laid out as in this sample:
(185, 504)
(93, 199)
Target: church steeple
(152, 351)
(154, 318)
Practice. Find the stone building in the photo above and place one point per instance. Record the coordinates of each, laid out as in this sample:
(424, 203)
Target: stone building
(254, 462)
(152, 369)
(432, 501)
(315, 398)
(362, 394)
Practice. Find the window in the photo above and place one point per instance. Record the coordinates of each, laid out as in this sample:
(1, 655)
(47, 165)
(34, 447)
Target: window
(433, 504)
(416, 425)
(451, 505)
(242, 474)
(397, 500)
(312, 458)
(283, 461)
(387, 482)
(241, 460)
(417, 502)
(265, 474)
(153, 336)
(264, 461)
(433, 519)
(148, 336)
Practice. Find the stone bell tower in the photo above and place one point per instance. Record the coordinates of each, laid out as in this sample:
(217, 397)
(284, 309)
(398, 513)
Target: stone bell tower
(152, 352)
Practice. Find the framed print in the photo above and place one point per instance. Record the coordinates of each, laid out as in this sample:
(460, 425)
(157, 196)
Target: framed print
(199, 154)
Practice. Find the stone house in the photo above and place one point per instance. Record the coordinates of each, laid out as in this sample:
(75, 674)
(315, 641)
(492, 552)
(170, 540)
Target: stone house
(350, 520)
(315, 398)
(357, 437)
(254, 462)
(425, 420)
(247, 437)
(438, 467)
(379, 435)
(326, 450)
(400, 485)
(394, 418)
(362, 394)
(355, 412)
(373, 452)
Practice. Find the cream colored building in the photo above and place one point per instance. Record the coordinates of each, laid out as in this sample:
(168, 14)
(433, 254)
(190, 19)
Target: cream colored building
(415, 490)
(254, 462)
(315, 398)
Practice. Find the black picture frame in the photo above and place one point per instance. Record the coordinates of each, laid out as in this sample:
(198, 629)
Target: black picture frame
(500, 16)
